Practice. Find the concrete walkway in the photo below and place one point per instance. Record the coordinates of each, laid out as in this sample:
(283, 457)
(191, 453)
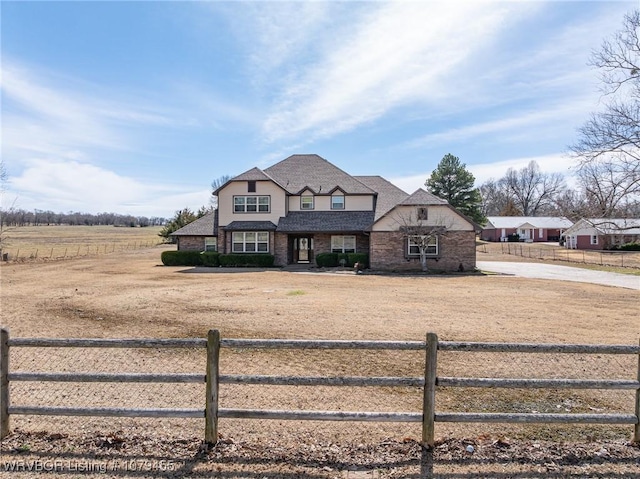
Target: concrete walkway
(561, 273)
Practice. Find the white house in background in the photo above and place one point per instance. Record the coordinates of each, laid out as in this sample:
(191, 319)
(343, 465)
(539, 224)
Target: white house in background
(602, 233)
(529, 228)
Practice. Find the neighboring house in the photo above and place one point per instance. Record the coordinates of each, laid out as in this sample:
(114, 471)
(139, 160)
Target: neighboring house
(529, 228)
(305, 205)
(199, 235)
(602, 233)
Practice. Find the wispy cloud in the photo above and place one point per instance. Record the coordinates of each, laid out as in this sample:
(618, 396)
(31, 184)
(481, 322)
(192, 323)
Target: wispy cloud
(41, 115)
(552, 163)
(46, 120)
(518, 121)
(400, 52)
(275, 35)
(61, 185)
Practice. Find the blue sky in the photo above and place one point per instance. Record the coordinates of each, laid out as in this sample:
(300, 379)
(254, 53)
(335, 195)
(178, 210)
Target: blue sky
(135, 107)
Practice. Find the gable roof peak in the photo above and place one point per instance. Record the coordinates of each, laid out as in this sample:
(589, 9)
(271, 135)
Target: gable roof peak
(314, 172)
(422, 197)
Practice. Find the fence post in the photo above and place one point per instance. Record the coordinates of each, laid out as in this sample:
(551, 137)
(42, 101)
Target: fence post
(4, 383)
(211, 411)
(429, 400)
(636, 432)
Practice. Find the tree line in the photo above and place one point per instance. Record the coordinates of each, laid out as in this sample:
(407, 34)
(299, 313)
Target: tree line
(20, 217)
(529, 191)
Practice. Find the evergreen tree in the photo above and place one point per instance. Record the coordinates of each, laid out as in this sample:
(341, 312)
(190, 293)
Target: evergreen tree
(452, 181)
(182, 218)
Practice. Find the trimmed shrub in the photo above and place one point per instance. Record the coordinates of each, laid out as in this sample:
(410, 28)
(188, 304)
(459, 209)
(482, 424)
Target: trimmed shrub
(210, 258)
(327, 260)
(181, 258)
(513, 238)
(260, 260)
(362, 258)
(331, 260)
(628, 247)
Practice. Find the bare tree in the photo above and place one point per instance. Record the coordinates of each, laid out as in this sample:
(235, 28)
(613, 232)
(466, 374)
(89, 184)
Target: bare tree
(532, 191)
(495, 197)
(525, 192)
(420, 232)
(607, 187)
(4, 178)
(215, 184)
(609, 142)
(573, 204)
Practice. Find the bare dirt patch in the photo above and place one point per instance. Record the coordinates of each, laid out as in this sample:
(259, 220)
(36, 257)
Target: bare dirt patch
(119, 455)
(130, 295)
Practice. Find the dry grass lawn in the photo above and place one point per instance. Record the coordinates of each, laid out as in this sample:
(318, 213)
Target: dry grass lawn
(133, 295)
(28, 243)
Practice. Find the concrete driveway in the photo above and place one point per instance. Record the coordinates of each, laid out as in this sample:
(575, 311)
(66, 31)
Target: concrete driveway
(561, 273)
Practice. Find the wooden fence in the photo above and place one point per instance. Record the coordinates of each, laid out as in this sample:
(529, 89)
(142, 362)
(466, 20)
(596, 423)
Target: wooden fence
(62, 251)
(213, 379)
(622, 259)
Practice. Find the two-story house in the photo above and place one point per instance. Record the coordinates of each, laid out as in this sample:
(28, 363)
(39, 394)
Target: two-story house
(305, 205)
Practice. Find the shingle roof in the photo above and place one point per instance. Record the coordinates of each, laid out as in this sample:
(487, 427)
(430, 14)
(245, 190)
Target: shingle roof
(254, 174)
(421, 197)
(204, 226)
(389, 195)
(301, 171)
(546, 222)
(609, 226)
(250, 226)
(325, 221)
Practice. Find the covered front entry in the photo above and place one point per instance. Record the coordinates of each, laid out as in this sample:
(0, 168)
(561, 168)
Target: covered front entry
(301, 247)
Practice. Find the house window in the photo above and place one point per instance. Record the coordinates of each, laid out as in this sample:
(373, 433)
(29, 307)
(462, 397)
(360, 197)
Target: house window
(594, 239)
(343, 244)
(337, 202)
(251, 186)
(251, 204)
(423, 214)
(211, 243)
(415, 241)
(250, 242)
(306, 202)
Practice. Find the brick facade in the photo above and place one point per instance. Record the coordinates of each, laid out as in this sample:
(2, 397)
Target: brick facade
(322, 242)
(387, 250)
(190, 243)
(456, 248)
(280, 249)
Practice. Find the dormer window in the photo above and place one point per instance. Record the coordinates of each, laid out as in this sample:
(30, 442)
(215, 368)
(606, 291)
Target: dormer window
(337, 202)
(306, 202)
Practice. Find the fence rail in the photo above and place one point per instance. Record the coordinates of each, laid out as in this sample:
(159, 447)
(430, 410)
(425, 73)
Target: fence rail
(622, 259)
(211, 412)
(72, 250)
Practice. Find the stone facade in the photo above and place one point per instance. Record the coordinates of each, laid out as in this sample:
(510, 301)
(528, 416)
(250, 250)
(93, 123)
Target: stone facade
(388, 251)
(191, 243)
